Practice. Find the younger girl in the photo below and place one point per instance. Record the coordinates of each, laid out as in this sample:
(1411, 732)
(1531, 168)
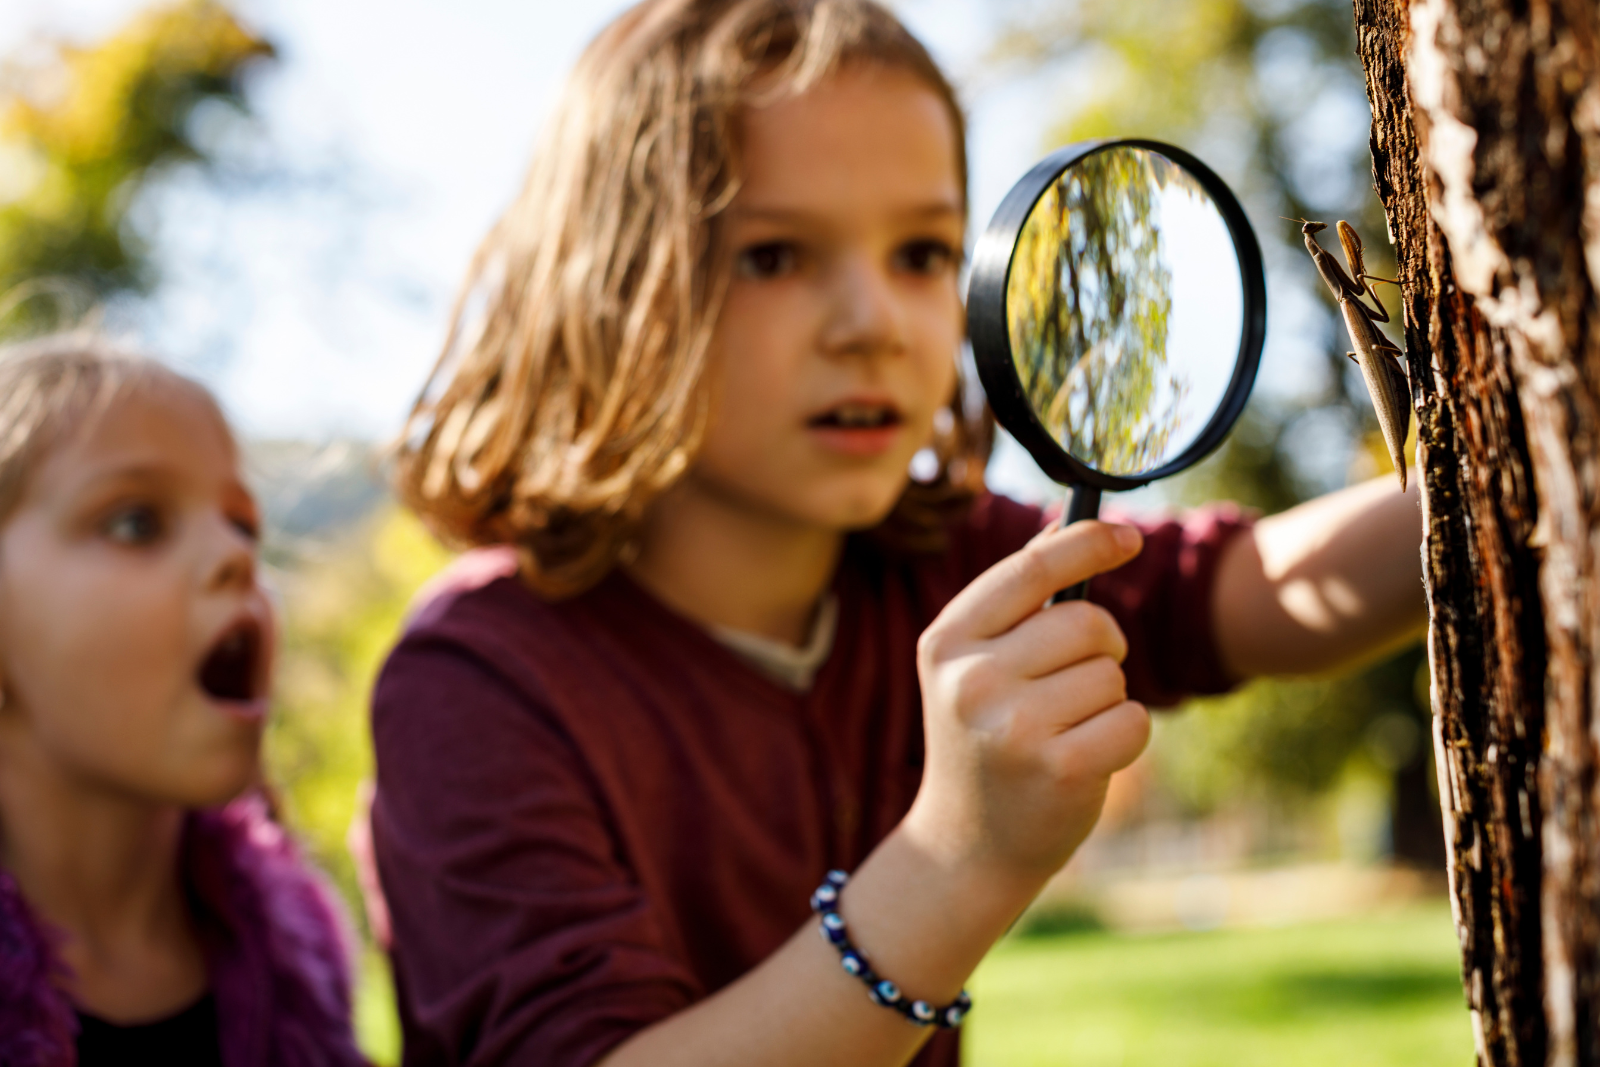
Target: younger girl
(728, 647)
(143, 917)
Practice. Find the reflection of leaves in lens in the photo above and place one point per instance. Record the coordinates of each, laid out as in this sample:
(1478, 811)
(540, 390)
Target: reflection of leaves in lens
(1088, 303)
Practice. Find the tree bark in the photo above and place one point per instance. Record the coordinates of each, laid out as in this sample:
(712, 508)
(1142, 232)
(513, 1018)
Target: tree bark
(1486, 155)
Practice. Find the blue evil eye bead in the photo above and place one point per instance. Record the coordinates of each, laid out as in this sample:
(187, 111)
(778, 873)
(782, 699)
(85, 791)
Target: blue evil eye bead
(880, 990)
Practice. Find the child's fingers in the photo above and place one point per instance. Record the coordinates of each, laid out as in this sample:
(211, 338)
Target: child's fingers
(1082, 691)
(1044, 707)
(1018, 585)
(1060, 636)
(1102, 744)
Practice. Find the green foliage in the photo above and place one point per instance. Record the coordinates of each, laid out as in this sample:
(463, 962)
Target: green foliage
(1291, 739)
(342, 613)
(1059, 919)
(83, 131)
(377, 1017)
(1252, 79)
(343, 608)
(1382, 991)
(1250, 469)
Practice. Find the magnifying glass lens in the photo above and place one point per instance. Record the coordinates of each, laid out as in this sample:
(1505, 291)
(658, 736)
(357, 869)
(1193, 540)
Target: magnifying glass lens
(1117, 310)
(1124, 307)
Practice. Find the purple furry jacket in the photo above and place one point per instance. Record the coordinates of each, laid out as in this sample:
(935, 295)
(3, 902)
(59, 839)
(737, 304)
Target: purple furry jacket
(274, 946)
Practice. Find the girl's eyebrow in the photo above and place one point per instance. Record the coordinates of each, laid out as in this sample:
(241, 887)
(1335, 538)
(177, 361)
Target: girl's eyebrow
(118, 476)
(119, 472)
(936, 209)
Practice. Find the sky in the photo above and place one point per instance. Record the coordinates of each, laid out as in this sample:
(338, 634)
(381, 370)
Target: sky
(315, 304)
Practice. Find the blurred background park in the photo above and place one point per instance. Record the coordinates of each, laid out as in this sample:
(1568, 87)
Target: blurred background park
(279, 196)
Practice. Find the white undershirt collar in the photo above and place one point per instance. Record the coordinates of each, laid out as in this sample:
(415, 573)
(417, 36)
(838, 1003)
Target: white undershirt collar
(791, 667)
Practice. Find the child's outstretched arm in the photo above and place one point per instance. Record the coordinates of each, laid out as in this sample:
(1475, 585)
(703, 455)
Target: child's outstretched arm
(1026, 720)
(1323, 585)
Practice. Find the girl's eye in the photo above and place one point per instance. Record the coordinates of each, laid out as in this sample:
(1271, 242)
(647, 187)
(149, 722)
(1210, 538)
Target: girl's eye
(925, 257)
(136, 525)
(774, 259)
(247, 526)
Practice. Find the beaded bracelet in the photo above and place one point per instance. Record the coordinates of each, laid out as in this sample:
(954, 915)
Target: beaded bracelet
(825, 902)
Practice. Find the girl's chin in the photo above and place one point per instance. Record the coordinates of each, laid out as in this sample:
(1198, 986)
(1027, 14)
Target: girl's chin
(863, 511)
(222, 785)
(858, 500)
(223, 773)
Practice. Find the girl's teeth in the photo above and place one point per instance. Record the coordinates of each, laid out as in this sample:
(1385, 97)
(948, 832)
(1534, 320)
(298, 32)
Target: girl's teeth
(860, 416)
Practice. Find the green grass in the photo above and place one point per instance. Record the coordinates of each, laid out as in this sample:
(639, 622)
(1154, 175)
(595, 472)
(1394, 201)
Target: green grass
(1373, 991)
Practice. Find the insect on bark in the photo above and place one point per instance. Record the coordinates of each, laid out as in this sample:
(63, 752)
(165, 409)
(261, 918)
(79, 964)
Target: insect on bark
(1378, 358)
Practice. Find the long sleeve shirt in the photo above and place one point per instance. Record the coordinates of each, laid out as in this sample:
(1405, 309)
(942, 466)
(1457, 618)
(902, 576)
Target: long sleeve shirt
(592, 813)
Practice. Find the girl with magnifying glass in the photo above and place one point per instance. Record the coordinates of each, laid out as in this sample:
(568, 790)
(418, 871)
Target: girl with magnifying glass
(711, 643)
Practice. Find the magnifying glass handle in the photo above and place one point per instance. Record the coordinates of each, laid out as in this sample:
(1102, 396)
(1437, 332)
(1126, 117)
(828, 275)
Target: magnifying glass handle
(1083, 504)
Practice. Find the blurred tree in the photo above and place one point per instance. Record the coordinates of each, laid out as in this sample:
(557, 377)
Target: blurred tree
(1271, 94)
(83, 129)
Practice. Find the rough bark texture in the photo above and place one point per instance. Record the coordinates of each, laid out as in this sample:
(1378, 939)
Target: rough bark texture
(1486, 154)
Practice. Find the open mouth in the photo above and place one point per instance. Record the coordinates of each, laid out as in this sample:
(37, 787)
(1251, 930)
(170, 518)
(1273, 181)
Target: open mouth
(230, 670)
(857, 417)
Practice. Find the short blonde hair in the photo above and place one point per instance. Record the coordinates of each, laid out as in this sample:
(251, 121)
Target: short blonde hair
(52, 386)
(572, 389)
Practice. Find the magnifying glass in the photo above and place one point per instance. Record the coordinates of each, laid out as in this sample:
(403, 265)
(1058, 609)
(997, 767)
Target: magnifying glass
(1117, 310)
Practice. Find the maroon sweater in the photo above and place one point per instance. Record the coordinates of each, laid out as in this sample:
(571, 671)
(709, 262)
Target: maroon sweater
(591, 814)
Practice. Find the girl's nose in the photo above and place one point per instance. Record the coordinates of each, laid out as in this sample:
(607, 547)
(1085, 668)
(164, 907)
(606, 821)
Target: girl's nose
(865, 318)
(233, 565)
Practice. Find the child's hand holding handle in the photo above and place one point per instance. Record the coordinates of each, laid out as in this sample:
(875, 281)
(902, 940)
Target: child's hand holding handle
(1027, 718)
(1026, 709)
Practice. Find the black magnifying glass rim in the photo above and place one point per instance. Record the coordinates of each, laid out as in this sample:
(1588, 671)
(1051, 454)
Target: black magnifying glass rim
(991, 336)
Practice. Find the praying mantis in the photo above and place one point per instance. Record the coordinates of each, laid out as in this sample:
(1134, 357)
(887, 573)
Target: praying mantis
(1378, 358)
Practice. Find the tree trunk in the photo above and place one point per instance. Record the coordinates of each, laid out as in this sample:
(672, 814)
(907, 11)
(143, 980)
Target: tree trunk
(1486, 155)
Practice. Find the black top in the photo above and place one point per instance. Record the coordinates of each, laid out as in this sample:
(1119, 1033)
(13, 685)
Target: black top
(187, 1039)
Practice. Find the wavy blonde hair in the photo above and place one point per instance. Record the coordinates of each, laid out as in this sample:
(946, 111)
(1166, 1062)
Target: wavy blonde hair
(572, 387)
